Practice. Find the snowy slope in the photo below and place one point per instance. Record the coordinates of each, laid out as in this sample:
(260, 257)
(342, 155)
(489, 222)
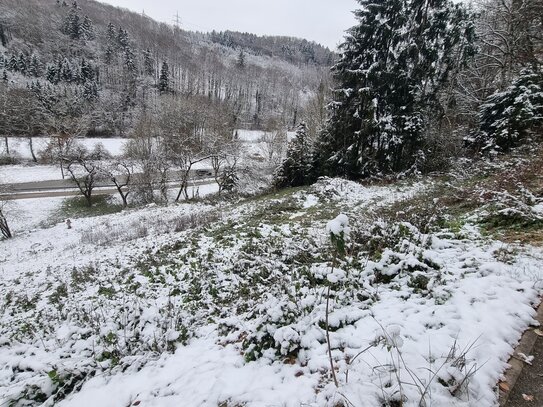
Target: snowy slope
(206, 305)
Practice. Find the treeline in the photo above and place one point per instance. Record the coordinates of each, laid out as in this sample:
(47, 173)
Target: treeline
(294, 50)
(421, 83)
(124, 62)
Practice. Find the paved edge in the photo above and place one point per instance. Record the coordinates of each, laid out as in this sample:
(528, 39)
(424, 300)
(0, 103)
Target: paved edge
(526, 345)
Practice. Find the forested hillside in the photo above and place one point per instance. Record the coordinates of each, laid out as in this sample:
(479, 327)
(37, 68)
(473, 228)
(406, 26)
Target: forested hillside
(63, 60)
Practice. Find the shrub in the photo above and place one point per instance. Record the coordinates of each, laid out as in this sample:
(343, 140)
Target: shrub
(507, 118)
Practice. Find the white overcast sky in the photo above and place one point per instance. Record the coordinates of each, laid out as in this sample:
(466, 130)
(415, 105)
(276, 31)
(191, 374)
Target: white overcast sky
(323, 21)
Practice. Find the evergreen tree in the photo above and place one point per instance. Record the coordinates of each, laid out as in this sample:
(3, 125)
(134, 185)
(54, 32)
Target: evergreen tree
(87, 29)
(35, 66)
(122, 39)
(3, 36)
(66, 71)
(5, 76)
(296, 169)
(86, 71)
(164, 79)
(22, 63)
(90, 91)
(148, 63)
(391, 67)
(240, 62)
(129, 60)
(72, 26)
(110, 33)
(52, 74)
(13, 64)
(507, 118)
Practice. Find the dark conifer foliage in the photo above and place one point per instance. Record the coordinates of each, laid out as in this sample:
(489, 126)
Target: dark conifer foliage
(148, 63)
(392, 66)
(3, 35)
(164, 80)
(296, 169)
(508, 118)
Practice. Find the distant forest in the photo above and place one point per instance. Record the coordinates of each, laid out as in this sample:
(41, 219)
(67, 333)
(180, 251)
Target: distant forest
(64, 60)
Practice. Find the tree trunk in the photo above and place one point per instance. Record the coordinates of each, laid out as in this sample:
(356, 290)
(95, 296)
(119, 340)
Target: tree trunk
(4, 227)
(7, 145)
(31, 145)
(88, 197)
(184, 184)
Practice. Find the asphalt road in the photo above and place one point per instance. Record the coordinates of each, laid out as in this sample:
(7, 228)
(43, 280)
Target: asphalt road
(528, 390)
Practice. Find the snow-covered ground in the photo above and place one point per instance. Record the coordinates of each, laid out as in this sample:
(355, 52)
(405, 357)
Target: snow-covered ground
(115, 146)
(252, 148)
(11, 174)
(255, 136)
(20, 146)
(29, 214)
(206, 305)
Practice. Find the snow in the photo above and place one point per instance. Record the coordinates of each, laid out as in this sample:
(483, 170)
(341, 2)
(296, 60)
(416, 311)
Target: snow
(474, 307)
(29, 214)
(202, 374)
(29, 173)
(310, 201)
(339, 226)
(20, 146)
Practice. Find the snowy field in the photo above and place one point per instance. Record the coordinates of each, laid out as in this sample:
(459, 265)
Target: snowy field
(252, 148)
(225, 304)
(30, 214)
(29, 173)
(115, 146)
(20, 146)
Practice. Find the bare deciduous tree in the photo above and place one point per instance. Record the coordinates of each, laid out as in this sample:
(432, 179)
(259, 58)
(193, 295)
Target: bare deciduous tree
(142, 150)
(120, 172)
(84, 169)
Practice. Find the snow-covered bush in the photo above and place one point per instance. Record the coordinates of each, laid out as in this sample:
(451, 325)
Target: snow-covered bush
(520, 208)
(507, 118)
(274, 332)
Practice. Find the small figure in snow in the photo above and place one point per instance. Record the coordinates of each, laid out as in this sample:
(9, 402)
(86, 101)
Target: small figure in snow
(69, 223)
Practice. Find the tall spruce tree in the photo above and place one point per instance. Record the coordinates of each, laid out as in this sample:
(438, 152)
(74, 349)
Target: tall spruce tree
(22, 63)
(240, 62)
(87, 29)
(148, 63)
(164, 79)
(86, 71)
(3, 36)
(72, 23)
(296, 169)
(392, 65)
(35, 67)
(13, 64)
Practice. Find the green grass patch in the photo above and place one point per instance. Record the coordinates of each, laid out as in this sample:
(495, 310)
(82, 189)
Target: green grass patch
(77, 208)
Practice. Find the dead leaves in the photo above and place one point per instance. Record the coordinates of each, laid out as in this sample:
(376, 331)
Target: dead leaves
(504, 386)
(528, 397)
